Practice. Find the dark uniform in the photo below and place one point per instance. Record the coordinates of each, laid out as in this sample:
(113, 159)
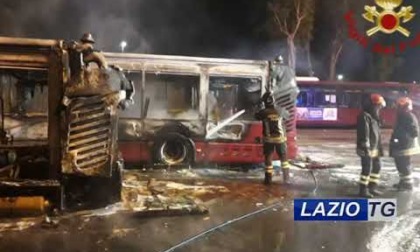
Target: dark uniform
(274, 138)
(404, 142)
(369, 145)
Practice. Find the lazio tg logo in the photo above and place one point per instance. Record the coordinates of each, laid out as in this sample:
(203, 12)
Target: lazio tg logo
(388, 21)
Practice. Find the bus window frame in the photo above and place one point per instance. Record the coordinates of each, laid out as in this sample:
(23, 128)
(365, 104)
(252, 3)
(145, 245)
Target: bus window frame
(198, 102)
(238, 76)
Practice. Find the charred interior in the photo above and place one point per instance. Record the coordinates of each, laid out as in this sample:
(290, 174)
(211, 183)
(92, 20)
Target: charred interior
(24, 116)
(59, 112)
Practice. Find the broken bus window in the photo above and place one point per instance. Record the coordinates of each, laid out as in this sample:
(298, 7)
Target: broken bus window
(233, 94)
(172, 96)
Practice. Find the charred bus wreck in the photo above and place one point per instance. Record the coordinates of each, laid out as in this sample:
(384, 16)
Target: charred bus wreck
(60, 108)
(200, 110)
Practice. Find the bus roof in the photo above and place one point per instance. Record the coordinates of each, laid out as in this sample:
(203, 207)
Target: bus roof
(155, 57)
(187, 64)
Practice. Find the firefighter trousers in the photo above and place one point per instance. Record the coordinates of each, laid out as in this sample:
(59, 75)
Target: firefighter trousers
(403, 164)
(281, 150)
(370, 170)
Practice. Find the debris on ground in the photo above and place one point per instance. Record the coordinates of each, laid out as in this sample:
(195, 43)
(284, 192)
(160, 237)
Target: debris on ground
(153, 196)
(187, 173)
(49, 223)
(22, 224)
(121, 232)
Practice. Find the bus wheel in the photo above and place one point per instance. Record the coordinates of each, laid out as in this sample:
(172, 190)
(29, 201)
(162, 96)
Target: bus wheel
(174, 149)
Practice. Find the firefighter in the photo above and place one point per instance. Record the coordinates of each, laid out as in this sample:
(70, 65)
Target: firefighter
(369, 145)
(90, 54)
(404, 142)
(274, 138)
(87, 39)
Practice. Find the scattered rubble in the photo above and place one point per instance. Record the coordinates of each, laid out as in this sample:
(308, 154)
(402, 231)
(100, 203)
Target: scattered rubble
(22, 224)
(165, 197)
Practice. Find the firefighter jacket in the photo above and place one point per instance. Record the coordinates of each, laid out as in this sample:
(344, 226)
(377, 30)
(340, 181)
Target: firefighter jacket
(369, 143)
(404, 139)
(273, 131)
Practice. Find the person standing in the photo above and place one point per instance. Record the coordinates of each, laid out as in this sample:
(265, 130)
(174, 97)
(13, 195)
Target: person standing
(274, 138)
(369, 145)
(404, 142)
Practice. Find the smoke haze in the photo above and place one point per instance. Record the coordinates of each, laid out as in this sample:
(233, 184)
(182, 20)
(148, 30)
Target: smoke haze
(209, 28)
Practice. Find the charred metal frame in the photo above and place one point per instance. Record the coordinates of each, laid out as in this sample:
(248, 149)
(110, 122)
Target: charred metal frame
(70, 89)
(47, 55)
(180, 65)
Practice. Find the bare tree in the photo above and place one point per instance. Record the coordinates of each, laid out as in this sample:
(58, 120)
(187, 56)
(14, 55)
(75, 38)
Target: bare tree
(337, 45)
(293, 19)
(336, 13)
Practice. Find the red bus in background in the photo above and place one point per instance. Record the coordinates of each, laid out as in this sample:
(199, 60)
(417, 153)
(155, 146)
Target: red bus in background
(338, 103)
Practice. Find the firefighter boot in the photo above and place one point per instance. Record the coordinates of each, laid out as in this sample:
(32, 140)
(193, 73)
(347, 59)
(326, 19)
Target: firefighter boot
(404, 186)
(268, 178)
(364, 192)
(286, 175)
(373, 189)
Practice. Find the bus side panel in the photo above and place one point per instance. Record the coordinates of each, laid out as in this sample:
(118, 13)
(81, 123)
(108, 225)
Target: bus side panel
(347, 117)
(135, 151)
(234, 153)
(228, 153)
(247, 151)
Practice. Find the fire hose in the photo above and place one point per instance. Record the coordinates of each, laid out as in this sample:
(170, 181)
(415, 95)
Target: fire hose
(185, 242)
(224, 124)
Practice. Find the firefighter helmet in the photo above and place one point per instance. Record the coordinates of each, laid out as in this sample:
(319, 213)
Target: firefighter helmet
(405, 103)
(279, 59)
(268, 99)
(87, 38)
(377, 99)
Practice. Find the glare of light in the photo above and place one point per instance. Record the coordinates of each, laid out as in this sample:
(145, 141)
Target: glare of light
(123, 44)
(340, 77)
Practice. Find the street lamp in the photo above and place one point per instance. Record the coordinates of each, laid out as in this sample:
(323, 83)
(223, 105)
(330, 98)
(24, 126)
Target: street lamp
(123, 44)
(340, 77)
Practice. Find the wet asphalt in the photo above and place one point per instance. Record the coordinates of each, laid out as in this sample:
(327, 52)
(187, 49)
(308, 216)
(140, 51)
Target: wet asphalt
(271, 230)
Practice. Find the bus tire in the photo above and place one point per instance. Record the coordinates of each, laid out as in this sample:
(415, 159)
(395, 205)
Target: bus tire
(174, 149)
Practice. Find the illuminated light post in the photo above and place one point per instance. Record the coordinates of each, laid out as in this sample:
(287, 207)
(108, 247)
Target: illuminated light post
(123, 45)
(340, 77)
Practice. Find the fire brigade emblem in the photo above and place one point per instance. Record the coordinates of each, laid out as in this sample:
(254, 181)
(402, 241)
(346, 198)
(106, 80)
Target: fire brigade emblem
(388, 21)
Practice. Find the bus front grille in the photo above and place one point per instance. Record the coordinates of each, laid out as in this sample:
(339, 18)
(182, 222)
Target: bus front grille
(89, 133)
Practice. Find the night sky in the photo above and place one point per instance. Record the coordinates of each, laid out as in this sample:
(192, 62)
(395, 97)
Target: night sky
(212, 28)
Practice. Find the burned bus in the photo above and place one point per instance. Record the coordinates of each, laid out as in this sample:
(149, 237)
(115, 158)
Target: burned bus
(192, 110)
(59, 115)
